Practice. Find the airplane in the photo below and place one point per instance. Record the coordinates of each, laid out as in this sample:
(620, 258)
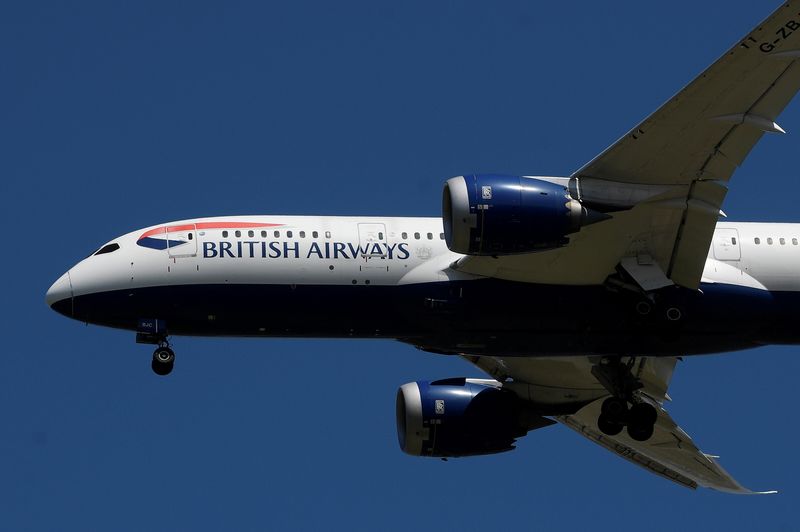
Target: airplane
(576, 296)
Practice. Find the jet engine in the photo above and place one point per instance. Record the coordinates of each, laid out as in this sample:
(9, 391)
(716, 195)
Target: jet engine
(504, 215)
(460, 417)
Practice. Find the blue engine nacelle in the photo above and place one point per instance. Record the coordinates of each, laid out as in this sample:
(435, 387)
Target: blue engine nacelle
(454, 417)
(504, 215)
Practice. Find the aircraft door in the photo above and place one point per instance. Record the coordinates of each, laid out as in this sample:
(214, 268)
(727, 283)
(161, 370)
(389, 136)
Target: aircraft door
(726, 244)
(182, 240)
(372, 246)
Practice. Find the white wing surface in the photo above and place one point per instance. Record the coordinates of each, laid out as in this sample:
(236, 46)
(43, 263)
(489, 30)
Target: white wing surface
(565, 385)
(674, 167)
(670, 452)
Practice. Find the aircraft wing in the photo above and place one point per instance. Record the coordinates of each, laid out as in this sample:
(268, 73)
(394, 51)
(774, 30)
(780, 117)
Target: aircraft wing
(669, 453)
(566, 385)
(671, 171)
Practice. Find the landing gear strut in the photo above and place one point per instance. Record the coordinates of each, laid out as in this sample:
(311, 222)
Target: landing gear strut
(618, 379)
(154, 331)
(163, 359)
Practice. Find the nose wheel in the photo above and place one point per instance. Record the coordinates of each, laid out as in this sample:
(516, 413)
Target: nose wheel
(163, 360)
(154, 331)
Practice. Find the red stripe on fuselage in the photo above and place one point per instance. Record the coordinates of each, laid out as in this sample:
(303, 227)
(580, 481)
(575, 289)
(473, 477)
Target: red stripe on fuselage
(205, 225)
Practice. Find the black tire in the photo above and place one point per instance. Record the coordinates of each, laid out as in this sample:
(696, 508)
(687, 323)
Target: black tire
(614, 409)
(608, 426)
(640, 432)
(163, 361)
(643, 414)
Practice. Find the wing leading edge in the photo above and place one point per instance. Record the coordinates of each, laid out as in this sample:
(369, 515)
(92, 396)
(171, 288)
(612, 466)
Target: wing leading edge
(668, 176)
(707, 129)
(703, 133)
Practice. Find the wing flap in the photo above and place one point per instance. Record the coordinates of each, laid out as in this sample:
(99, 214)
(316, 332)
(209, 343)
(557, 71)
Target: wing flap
(695, 233)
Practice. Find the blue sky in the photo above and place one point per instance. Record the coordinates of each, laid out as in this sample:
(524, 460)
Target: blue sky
(121, 115)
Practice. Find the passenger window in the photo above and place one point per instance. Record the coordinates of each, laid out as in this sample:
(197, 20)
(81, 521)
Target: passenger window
(769, 241)
(315, 234)
(430, 236)
(238, 233)
(733, 240)
(191, 236)
(302, 234)
(405, 235)
(327, 234)
(782, 241)
(441, 236)
(251, 234)
(107, 249)
(380, 236)
(288, 234)
(416, 235)
(794, 241)
(277, 234)
(263, 234)
(224, 234)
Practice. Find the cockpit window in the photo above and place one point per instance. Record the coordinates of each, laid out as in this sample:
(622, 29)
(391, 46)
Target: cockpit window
(107, 249)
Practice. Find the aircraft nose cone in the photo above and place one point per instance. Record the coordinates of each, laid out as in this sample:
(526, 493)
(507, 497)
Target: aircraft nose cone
(59, 296)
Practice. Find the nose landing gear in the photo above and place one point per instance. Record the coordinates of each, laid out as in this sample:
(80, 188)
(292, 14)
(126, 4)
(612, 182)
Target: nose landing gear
(640, 418)
(154, 331)
(163, 359)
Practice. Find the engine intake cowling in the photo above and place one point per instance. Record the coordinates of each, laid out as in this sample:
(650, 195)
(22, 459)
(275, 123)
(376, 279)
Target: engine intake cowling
(454, 417)
(504, 215)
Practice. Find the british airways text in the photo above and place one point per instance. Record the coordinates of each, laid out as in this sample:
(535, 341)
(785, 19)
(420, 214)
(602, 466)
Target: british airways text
(293, 250)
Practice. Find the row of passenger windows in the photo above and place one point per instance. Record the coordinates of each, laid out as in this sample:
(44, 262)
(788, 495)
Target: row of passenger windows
(276, 234)
(417, 236)
(315, 234)
(782, 241)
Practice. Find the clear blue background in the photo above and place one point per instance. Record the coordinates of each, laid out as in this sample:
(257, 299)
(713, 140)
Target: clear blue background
(115, 116)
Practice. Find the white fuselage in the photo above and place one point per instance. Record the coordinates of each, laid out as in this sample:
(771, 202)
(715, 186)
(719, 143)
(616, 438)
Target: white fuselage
(375, 250)
(392, 278)
(762, 255)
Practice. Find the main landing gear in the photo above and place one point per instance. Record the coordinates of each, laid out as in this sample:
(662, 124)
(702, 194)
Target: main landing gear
(615, 414)
(163, 359)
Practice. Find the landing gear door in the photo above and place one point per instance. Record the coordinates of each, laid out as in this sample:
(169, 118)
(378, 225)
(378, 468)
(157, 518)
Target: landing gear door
(726, 244)
(182, 240)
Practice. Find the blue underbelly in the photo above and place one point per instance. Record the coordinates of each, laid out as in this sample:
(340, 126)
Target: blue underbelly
(484, 317)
